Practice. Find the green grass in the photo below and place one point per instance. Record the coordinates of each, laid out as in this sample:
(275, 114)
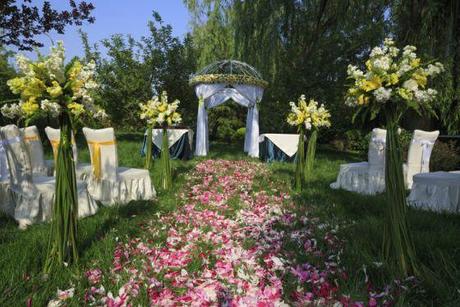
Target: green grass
(437, 236)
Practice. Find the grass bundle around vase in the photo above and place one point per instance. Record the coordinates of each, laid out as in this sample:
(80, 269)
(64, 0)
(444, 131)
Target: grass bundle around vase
(306, 116)
(392, 83)
(158, 111)
(47, 87)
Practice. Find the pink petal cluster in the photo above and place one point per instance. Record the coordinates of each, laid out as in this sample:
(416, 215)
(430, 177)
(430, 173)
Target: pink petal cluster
(228, 244)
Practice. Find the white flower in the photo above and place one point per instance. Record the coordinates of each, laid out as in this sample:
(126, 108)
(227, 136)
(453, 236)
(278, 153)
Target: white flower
(411, 85)
(51, 108)
(382, 94)
(425, 96)
(12, 111)
(354, 72)
(376, 51)
(382, 63)
(388, 42)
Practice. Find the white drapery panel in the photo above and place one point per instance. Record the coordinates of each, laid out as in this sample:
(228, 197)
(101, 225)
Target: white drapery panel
(212, 95)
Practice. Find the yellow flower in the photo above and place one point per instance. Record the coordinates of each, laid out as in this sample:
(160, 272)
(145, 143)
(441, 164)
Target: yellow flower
(370, 85)
(16, 85)
(34, 87)
(75, 70)
(405, 94)
(162, 108)
(55, 90)
(415, 62)
(393, 79)
(369, 65)
(76, 108)
(420, 78)
(353, 91)
(30, 106)
(362, 100)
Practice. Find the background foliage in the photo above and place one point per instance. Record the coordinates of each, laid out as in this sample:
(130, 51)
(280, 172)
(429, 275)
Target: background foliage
(298, 46)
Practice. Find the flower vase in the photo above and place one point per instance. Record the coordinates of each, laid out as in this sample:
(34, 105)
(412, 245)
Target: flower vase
(63, 235)
(148, 151)
(398, 246)
(166, 178)
(311, 151)
(300, 161)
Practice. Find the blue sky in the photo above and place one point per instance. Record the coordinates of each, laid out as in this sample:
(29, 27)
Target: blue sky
(118, 16)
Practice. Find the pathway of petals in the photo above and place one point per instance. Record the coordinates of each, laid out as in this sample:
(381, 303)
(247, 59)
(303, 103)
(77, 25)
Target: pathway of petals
(228, 244)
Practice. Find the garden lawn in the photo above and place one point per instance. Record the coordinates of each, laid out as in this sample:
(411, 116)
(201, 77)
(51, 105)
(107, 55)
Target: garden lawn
(242, 238)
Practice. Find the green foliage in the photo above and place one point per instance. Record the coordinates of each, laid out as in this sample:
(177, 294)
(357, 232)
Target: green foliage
(239, 135)
(225, 120)
(135, 70)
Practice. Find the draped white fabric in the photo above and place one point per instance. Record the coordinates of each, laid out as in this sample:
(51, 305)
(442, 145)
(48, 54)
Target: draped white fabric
(212, 95)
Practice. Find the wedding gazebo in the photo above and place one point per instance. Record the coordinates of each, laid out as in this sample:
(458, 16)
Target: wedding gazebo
(222, 81)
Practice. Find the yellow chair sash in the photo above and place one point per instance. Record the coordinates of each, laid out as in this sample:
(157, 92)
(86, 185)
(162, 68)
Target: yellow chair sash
(55, 145)
(96, 156)
(33, 138)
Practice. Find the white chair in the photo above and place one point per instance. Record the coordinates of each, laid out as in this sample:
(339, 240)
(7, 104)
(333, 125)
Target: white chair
(365, 177)
(109, 183)
(418, 158)
(40, 166)
(82, 170)
(33, 196)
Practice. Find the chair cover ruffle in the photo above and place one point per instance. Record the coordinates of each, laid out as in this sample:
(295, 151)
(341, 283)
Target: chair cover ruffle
(439, 191)
(37, 207)
(132, 184)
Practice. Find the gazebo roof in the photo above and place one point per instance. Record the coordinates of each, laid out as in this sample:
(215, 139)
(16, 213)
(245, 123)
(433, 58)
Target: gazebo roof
(228, 71)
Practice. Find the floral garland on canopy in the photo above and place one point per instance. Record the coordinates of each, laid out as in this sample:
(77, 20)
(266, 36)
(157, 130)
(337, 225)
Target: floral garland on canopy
(307, 116)
(46, 86)
(228, 78)
(392, 83)
(158, 111)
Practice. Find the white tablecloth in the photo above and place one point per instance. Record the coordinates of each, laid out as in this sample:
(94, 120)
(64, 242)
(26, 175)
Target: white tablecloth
(288, 143)
(437, 191)
(173, 136)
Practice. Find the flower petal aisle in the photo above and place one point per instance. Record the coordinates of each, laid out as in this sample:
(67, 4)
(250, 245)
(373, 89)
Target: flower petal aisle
(229, 243)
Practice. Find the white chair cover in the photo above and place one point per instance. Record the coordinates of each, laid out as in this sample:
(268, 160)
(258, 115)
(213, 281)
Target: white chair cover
(33, 196)
(6, 202)
(365, 177)
(116, 184)
(418, 159)
(34, 146)
(54, 136)
(438, 191)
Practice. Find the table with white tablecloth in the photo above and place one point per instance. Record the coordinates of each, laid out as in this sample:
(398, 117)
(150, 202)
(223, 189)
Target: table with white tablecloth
(278, 147)
(436, 191)
(180, 143)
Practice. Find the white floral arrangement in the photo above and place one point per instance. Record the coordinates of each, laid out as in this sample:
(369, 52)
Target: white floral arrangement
(308, 114)
(158, 111)
(45, 86)
(392, 75)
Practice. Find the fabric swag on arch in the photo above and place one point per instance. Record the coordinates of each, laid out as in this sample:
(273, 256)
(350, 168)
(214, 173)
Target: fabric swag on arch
(212, 95)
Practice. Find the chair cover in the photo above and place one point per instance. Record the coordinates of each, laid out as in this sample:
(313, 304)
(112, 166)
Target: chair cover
(54, 135)
(365, 177)
(109, 183)
(418, 159)
(6, 202)
(438, 191)
(33, 196)
(34, 146)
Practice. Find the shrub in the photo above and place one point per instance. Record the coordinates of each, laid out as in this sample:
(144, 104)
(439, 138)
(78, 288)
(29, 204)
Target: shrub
(239, 134)
(356, 140)
(445, 157)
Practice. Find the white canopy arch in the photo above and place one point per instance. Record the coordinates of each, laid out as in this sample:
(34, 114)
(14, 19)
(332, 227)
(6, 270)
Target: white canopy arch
(223, 81)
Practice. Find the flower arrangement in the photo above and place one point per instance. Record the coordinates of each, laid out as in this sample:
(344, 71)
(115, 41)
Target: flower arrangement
(228, 78)
(308, 116)
(46, 86)
(158, 111)
(392, 83)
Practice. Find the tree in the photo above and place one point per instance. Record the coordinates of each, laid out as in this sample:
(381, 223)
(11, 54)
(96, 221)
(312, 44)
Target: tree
(20, 24)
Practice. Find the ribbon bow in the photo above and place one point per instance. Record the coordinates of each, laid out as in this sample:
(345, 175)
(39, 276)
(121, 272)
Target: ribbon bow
(96, 156)
(427, 147)
(379, 143)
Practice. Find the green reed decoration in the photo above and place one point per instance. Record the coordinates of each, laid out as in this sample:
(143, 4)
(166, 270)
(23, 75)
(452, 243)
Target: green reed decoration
(148, 152)
(166, 177)
(311, 152)
(64, 224)
(300, 161)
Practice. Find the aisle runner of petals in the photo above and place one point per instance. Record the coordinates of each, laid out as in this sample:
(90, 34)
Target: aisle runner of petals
(229, 245)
